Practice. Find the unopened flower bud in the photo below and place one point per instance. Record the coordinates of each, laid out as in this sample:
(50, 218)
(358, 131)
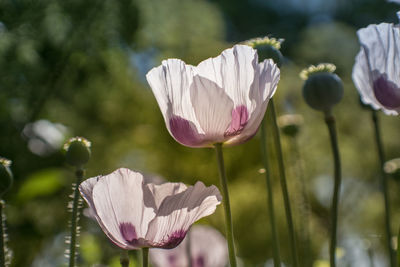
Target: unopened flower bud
(323, 89)
(6, 176)
(267, 48)
(77, 151)
(290, 124)
(392, 167)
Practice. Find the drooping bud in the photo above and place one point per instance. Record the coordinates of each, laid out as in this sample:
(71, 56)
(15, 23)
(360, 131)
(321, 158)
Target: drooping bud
(267, 48)
(392, 167)
(6, 176)
(322, 88)
(77, 151)
(290, 124)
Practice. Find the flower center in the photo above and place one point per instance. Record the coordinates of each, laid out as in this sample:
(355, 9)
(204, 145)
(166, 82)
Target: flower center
(128, 232)
(174, 239)
(240, 116)
(386, 92)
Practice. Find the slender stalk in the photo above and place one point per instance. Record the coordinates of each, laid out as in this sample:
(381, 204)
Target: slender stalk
(285, 191)
(384, 187)
(75, 218)
(275, 241)
(304, 220)
(330, 122)
(2, 241)
(227, 208)
(189, 249)
(145, 257)
(124, 258)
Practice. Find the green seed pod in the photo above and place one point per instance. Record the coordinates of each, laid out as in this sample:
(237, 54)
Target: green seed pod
(77, 151)
(290, 124)
(323, 89)
(6, 176)
(267, 48)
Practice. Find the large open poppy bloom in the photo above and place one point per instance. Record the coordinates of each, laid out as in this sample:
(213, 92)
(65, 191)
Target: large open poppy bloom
(222, 100)
(376, 72)
(134, 214)
(208, 248)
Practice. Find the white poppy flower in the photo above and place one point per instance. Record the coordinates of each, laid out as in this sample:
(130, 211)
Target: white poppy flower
(376, 72)
(221, 100)
(134, 214)
(208, 248)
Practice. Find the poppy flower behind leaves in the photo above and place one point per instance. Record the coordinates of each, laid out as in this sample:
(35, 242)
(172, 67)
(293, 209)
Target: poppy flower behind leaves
(221, 100)
(377, 67)
(134, 214)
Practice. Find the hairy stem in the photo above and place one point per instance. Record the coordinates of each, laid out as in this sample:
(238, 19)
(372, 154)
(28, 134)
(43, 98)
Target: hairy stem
(75, 218)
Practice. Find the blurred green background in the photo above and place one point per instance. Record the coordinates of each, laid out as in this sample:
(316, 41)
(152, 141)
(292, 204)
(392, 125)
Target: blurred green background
(78, 68)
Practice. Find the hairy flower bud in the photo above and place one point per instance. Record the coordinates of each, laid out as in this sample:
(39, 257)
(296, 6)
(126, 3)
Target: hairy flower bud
(322, 89)
(267, 48)
(77, 151)
(6, 176)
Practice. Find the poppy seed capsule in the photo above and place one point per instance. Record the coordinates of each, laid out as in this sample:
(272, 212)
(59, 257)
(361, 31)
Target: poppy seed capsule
(6, 176)
(77, 151)
(323, 89)
(267, 48)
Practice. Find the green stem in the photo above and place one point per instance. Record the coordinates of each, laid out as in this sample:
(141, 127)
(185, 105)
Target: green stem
(285, 192)
(2, 241)
(304, 222)
(384, 187)
(226, 203)
(189, 248)
(75, 218)
(275, 243)
(145, 257)
(124, 258)
(330, 121)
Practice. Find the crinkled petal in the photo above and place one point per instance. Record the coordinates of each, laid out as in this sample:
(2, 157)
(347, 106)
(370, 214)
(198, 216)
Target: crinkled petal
(377, 67)
(170, 83)
(159, 192)
(213, 108)
(86, 189)
(268, 76)
(119, 202)
(233, 71)
(178, 212)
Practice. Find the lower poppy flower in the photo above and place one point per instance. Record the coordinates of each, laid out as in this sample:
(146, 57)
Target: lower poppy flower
(134, 214)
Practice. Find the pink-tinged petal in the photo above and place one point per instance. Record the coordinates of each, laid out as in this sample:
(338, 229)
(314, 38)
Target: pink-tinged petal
(178, 212)
(86, 190)
(268, 75)
(362, 78)
(387, 92)
(212, 107)
(208, 248)
(233, 71)
(170, 83)
(379, 55)
(240, 117)
(118, 198)
(185, 132)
